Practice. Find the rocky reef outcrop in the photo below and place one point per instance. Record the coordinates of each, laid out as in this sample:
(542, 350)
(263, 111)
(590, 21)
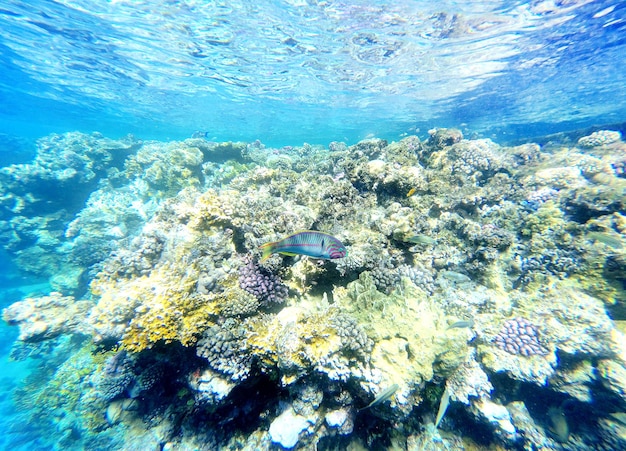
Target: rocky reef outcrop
(479, 279)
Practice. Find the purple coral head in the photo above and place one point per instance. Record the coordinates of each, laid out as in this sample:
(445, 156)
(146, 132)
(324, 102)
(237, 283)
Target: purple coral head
(520, 337)
(262, 284)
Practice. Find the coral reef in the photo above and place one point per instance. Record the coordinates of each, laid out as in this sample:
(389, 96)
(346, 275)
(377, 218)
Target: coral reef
(479, 279)
(116, 376)
(39, 199)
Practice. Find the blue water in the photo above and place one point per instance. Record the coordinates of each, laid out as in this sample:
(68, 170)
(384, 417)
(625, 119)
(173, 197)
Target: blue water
(295, 71)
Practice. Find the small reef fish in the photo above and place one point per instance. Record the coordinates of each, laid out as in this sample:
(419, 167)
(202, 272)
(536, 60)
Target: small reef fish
(455, 277)
(464, 323)
(443, 406)
(559, 429)
(609, 239)
(199, 134)
(424, 240)
(382, 396)
(307, 242)
(411, 192)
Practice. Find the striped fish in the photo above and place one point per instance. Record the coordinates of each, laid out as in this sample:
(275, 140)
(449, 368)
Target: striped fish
(308, 242)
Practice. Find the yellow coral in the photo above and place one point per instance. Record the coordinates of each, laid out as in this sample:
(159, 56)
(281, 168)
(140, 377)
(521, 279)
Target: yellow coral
(294, 340)
(409, 331)
(157, 307)
(210, 208)
(593, 280)
(548, 217)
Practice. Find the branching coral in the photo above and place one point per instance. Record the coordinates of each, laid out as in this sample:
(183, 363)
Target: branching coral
(262, 284)
(225, 349)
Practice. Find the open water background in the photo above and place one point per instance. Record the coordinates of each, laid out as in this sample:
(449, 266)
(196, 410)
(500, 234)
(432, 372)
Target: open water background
(292, 71)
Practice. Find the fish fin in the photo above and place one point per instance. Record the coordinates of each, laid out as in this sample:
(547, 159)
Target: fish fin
(268, 249)
(290, 254)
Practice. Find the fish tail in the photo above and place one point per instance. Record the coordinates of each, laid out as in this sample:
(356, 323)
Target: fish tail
(268, 249)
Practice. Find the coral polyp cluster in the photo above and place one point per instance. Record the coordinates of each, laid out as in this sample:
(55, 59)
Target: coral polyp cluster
(262, 284)
(519, 336)
(471, 269)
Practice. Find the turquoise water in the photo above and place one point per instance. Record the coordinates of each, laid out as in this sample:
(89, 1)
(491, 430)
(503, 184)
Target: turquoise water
(469, 155)
(323, 71)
